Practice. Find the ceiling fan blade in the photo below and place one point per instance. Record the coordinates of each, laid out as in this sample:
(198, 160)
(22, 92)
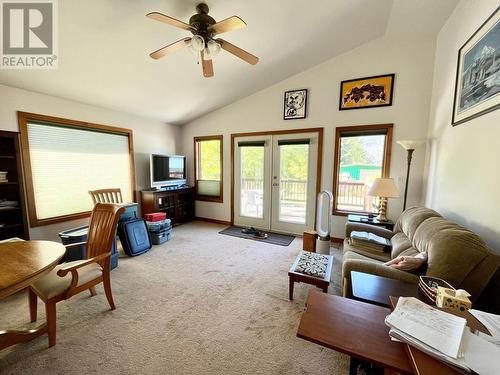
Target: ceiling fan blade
(207, 66)
(170, 48)
(169, 20)
(238, 52)
(229, 24)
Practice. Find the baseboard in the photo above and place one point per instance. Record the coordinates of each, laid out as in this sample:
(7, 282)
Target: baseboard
(210, 220)
(337, 240)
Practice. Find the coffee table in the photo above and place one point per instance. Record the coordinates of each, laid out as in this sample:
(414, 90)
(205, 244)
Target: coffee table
(377, 289)
(354, 328)
(298, 277)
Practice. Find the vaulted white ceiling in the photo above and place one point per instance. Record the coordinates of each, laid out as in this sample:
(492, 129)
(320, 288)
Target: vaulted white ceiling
(104, 47)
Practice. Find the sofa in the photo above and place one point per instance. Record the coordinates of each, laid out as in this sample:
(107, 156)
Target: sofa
(454, 253)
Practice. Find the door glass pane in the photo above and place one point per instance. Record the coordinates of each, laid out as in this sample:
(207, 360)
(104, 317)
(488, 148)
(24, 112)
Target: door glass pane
(361, 162)
(294, 162)
(252, 181)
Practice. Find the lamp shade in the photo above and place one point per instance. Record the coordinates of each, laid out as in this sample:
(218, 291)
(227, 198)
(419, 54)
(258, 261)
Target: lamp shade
(410, 145)
(384, 187)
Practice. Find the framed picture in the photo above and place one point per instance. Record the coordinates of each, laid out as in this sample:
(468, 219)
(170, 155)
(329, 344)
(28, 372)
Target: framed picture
(295, 104)
(477, 85)
(366, 92)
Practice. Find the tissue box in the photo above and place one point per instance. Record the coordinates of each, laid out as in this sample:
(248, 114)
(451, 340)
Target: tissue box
(454, 299)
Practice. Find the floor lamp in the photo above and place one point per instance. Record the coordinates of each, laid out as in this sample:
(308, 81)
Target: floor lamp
(409, 146)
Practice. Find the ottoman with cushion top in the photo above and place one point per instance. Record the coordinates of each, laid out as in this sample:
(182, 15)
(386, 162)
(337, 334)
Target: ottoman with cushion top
(311, 268)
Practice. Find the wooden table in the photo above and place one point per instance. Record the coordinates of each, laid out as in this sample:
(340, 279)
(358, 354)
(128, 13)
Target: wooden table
(372, 221)
(377, 289)
(21, 263)
(354, 328)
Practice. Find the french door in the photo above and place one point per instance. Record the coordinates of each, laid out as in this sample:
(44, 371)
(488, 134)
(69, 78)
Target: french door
(275, 181)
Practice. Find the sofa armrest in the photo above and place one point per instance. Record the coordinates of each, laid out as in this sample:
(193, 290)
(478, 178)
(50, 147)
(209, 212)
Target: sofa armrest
(362, 227)
(374, 268)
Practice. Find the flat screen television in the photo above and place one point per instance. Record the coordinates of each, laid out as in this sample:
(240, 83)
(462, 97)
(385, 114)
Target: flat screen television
(167, 170)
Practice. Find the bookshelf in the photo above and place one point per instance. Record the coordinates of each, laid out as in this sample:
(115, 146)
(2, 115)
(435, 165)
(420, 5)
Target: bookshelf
(13, 221)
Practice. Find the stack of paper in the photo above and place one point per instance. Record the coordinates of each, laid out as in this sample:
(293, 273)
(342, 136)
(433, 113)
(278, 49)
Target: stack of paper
(442, 335)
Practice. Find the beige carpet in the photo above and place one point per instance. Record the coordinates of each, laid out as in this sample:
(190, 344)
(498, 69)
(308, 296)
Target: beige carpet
(203, 303)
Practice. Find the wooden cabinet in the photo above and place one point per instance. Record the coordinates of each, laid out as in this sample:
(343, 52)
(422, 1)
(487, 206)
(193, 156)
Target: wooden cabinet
(178, 204)
(13, 221)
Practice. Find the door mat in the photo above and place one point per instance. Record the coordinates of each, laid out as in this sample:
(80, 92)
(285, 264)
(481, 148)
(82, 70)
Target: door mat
(272, 238)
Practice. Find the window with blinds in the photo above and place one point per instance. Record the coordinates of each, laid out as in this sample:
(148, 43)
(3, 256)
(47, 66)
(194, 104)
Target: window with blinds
(208, 168)
(65, 162)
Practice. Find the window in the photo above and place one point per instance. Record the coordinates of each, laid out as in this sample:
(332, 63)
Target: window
(64, 159)
(362, 154)
(208, 168)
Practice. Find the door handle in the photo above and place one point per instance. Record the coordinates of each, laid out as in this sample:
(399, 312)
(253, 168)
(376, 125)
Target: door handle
(275, 184)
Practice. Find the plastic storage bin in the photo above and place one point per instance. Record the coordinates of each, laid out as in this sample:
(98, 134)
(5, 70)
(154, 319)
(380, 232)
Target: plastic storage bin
(158, 226)
(130, 211)
(79, 234)
(157, 238)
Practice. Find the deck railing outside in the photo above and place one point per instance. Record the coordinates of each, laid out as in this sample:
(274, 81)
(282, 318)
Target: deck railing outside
(352, 195)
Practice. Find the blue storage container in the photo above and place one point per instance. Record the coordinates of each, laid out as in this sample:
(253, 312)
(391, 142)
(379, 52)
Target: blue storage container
(130, 211)
(158, 226)
(79, 234)
(134, 236)
(157, 238)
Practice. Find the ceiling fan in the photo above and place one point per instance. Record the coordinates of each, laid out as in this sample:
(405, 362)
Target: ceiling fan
(203, 42)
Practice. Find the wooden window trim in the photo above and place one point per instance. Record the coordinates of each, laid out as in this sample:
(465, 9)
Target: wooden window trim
(220, 198)
(386, 163)
(23, 119)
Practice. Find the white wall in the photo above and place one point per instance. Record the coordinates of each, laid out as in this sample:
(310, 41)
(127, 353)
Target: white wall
(149, 135)
(411, 60)
(464, 176)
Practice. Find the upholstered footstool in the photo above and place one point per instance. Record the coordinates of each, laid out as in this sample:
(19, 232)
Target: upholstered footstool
(311, 268)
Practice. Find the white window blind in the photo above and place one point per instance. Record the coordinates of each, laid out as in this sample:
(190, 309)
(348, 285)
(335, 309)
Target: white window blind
(68, 162)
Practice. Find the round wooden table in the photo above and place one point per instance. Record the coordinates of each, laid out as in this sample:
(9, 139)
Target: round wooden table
(21, 263)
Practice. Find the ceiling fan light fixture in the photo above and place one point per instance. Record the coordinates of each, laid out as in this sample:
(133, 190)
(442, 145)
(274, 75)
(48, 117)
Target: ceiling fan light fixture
(213, 47)
(207, 55)
(197, 43)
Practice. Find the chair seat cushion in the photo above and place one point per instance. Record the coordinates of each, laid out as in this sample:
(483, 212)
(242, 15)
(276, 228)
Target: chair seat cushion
(52, 285)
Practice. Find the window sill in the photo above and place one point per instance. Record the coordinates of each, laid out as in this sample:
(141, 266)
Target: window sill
(209, 199)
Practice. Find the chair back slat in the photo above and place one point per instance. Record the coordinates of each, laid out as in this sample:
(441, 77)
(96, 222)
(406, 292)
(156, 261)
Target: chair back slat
(106, 196)
(102, 228)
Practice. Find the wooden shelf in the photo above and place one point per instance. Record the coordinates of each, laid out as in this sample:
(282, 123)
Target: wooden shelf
(16, 222)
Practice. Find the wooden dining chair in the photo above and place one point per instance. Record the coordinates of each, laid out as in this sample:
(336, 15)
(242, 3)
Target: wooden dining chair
(68, 279)
(106, 196)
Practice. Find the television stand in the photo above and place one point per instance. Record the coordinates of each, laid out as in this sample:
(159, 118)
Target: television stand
(177, 203)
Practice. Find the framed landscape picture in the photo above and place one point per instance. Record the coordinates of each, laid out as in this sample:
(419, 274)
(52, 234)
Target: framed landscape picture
(295, 104)
(477, 85)
(366, 92)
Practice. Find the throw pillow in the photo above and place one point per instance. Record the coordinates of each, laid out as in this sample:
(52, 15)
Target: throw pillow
(408, 263)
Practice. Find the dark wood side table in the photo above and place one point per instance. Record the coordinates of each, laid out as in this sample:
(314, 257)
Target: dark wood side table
(372, 221)
(353, 328)
(377, 289)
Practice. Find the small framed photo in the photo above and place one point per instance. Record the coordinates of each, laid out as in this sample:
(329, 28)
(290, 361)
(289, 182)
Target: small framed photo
(367, 92)
(295, 104)
(477, 85)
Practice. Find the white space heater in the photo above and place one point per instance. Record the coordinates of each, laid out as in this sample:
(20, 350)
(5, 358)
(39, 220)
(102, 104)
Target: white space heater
(324, 221)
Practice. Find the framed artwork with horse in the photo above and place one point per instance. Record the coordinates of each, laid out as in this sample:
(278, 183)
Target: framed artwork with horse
(367, 92)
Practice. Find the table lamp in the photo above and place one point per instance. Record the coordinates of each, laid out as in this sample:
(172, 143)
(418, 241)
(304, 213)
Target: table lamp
(409, 146)
(383, 188)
